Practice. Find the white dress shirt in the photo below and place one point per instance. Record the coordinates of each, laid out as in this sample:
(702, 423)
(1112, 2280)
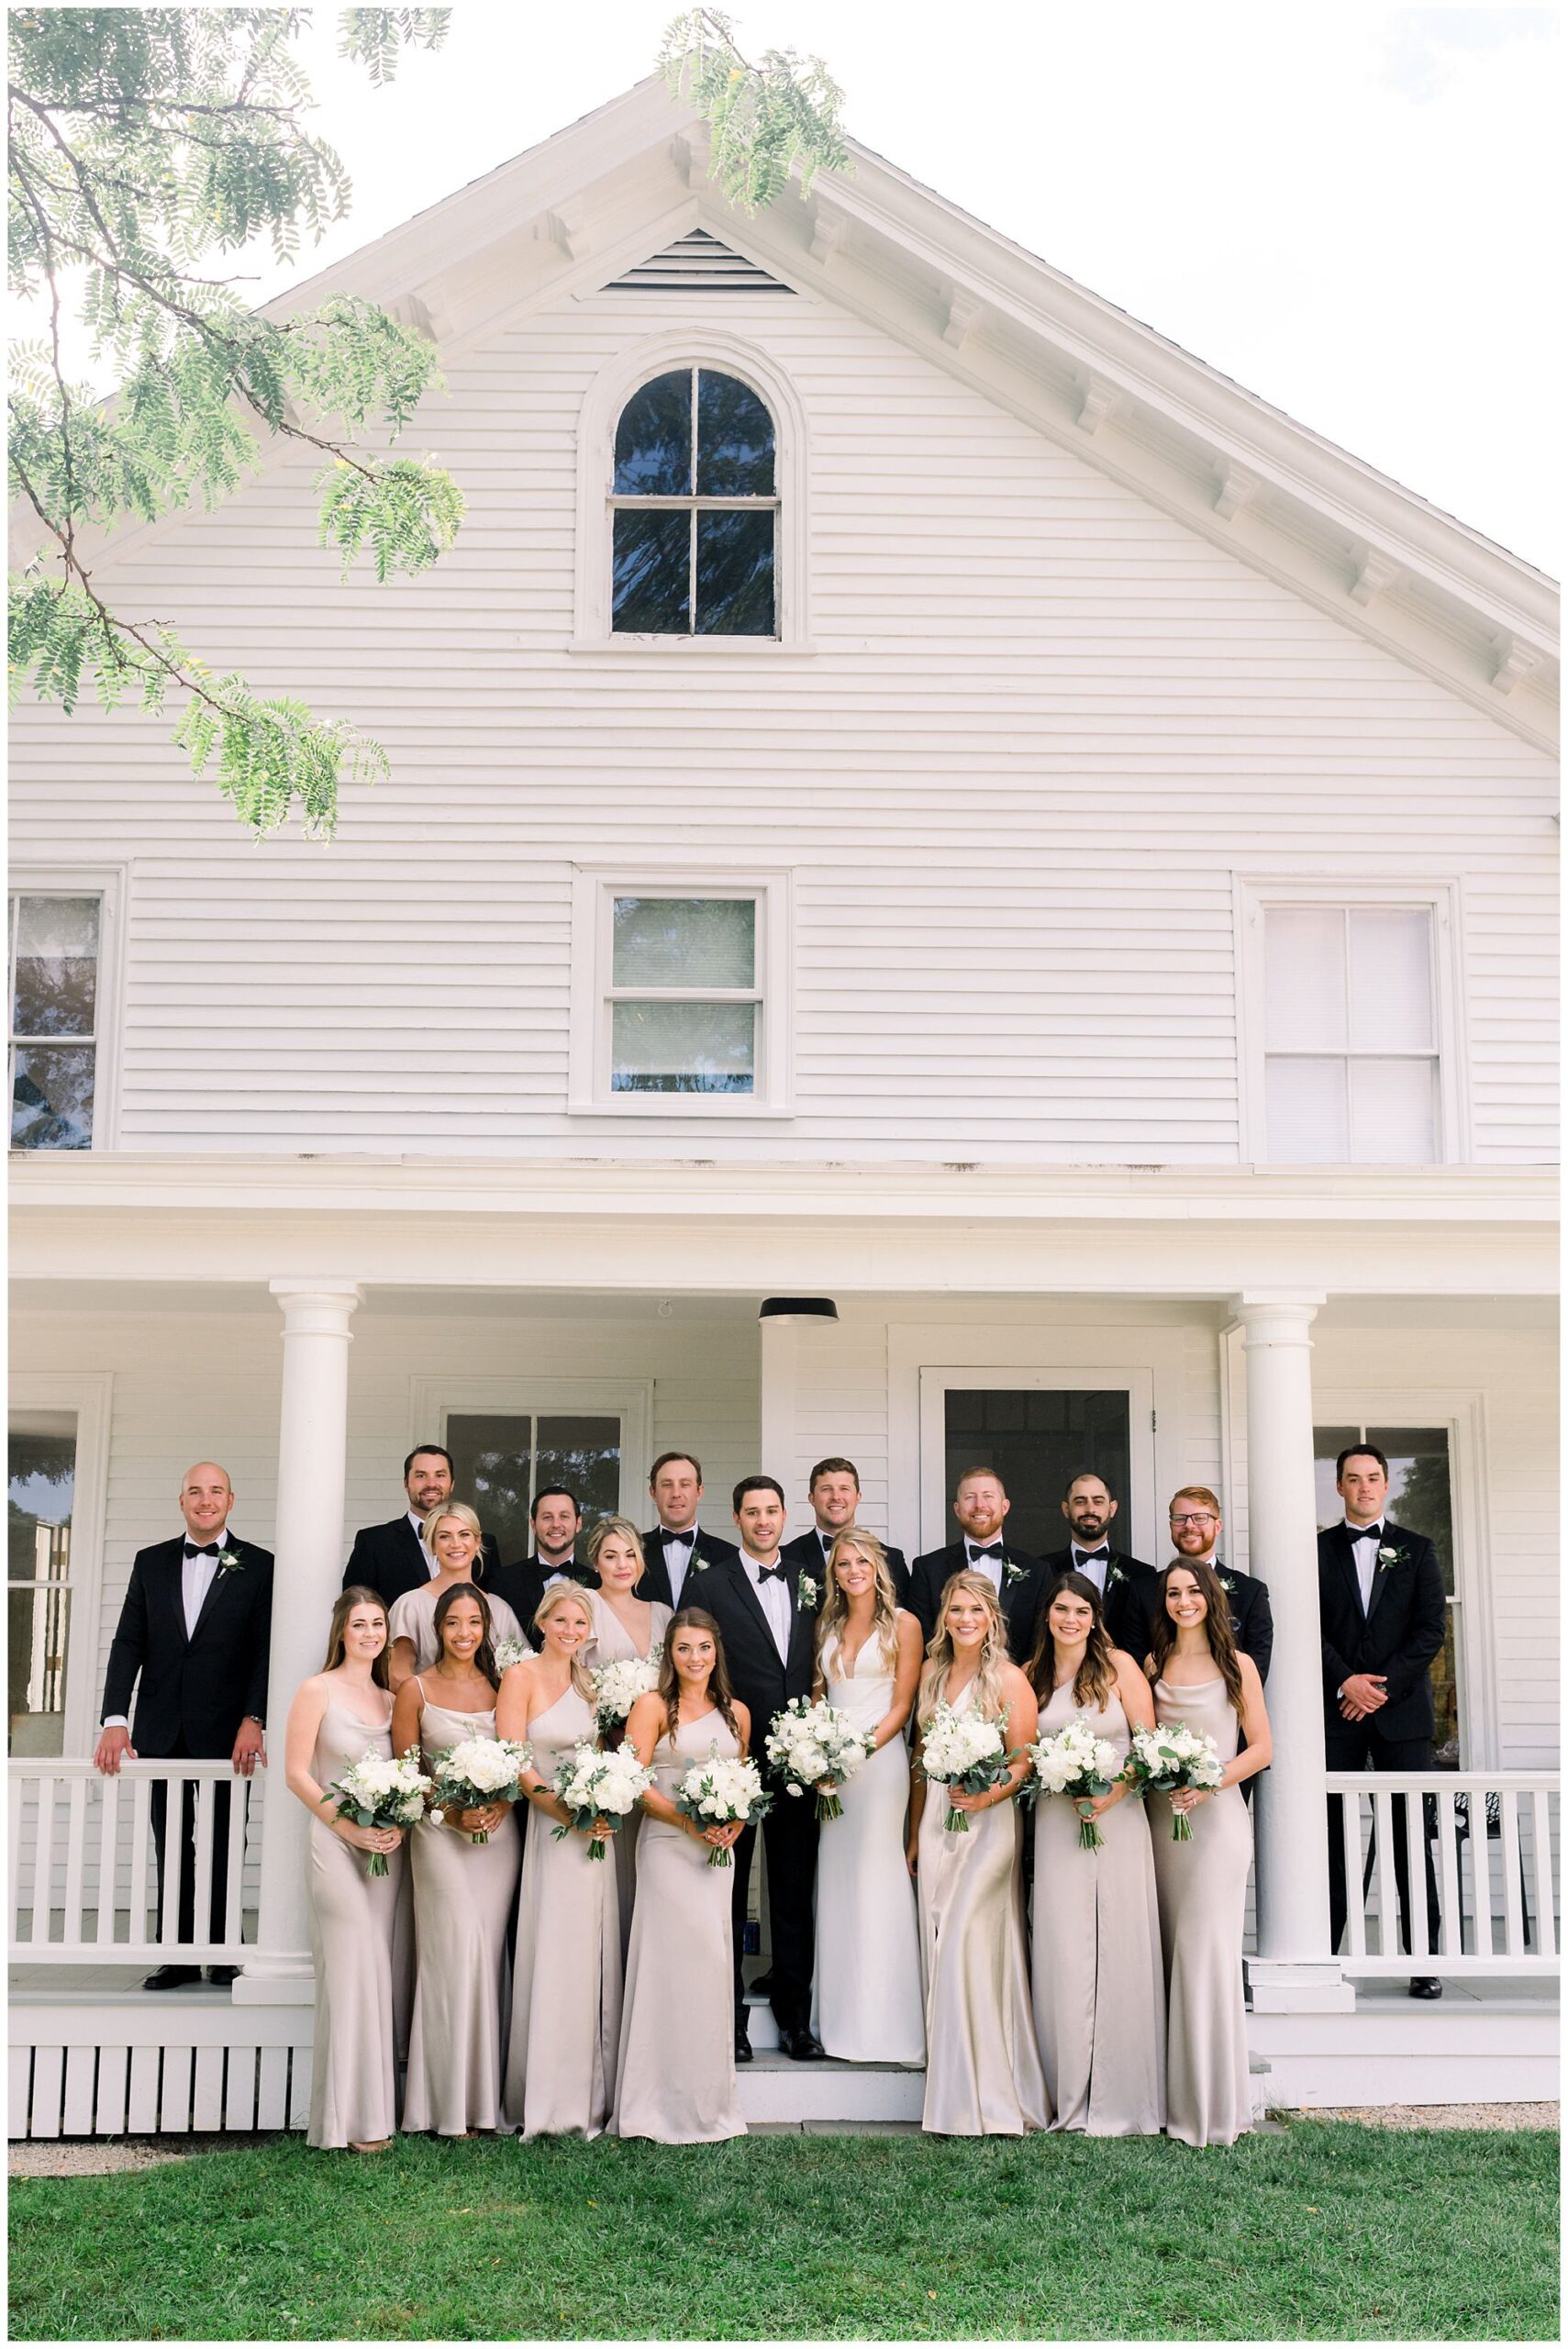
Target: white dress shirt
(1092, 1568)
(432, 1566)
(990, 1568)
(678, 1550)
(775, 1597)
(1365, 1541)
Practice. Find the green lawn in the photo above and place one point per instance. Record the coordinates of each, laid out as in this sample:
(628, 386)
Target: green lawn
(1328, 2231)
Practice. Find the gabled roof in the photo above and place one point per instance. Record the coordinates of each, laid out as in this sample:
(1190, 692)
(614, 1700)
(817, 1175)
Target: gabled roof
(628, 180)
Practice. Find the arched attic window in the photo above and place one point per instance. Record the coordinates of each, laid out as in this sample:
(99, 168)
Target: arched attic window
(695, 509)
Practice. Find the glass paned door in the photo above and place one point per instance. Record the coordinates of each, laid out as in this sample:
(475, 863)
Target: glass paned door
(42, 1481)
(1420, 1495)
(1035, 1437)
(501, 1459)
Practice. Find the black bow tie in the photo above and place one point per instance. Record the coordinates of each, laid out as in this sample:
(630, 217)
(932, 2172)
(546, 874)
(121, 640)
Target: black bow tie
(1092, 1557)
(995, 1551)
(773, 1574)
(685, 1540)
(1364, 1533)
(206, 1550)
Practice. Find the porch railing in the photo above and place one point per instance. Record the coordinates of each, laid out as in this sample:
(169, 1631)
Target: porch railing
(1492, 1837)
(84, 1885)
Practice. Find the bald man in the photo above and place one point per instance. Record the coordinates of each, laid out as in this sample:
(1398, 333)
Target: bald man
(194, 1629)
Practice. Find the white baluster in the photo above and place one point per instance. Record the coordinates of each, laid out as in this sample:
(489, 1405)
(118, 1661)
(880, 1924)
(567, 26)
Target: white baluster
(1541, 1871)
(43, 1859)
(109, 1860)
(76, 1856)
(1356, 1907)
(14, 1836)
(1422, 1942)
(1513, 1916)
(206, 1819)
(140, 1834)
(1387, 1891)
(1449, 1900)
(234, 1889)
(173, 1855)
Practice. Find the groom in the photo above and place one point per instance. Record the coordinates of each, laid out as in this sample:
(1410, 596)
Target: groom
(766, 1611)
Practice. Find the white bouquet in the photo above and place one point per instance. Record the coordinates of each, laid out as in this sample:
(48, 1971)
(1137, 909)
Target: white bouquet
(477, 1771)
(381, 1790)
(814, 1749)
(1166, 1759)
(618, 1687)
(598, 1790)
(963, 1752)
(718, 1790)
(510, 1652)
(1074, 1762)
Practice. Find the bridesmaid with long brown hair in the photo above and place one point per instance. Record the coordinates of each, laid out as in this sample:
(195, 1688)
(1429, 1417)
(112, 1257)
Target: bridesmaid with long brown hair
(1201, 1677)
(675, 2073)
(1100, 1985)
(358, 1935)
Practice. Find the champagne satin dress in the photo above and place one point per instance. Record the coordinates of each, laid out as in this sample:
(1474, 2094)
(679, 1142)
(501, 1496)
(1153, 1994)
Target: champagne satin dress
(464, 1895)
(566, 1981)
(362, 1949)
(675, 2072)
(1100, 1981)
(867, 2002)
(612, 1643)
(983, 2069)
(1203, 1914)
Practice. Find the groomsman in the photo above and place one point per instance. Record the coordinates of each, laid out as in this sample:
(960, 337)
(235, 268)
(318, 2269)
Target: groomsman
(769, 1634)
(391, 1558)
(1380, 1594)
(1127, 1586)
(670, 1547)
(835, 1492)
(1195, 1528)
(980, 1505)
(193, 1633)
(556, 1517)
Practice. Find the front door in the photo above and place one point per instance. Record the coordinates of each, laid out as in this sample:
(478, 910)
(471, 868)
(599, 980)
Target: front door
(1037, 1429)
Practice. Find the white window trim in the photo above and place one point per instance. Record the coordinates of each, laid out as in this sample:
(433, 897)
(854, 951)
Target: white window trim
(1253, 897)
(89, 1395)
(107, 883)
(653, 355)
(1461, 1410)
(628, 1400)
(593, 888)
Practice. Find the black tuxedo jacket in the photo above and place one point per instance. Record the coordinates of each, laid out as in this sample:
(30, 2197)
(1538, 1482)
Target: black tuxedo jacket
(1128, 1603)
(522, 1588)
(764, 1682)
(388, 1560)
(1399, 1635)
(195, 1690)
(805, 1552)
(655, 1583)
(1020, 1594)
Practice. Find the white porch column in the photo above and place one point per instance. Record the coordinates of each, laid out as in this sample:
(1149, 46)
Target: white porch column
(312, 1438)
(1293, 1971)
(779, 1344)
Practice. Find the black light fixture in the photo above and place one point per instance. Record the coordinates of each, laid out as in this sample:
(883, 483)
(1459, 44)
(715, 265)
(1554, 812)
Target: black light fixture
(798, 1308)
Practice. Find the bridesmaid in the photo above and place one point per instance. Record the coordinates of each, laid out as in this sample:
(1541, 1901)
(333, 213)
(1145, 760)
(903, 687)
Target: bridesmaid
(566, 1981)
(338, 1714)
(675, 2073)
(1201, 1677)
(866, 2001)
(624, 1627)
(463, 1891)
(454, 1539)
(1099, 1985)
(983, 2073)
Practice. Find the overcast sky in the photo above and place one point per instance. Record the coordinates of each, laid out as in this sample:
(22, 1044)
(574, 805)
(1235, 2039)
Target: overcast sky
(1341, 205)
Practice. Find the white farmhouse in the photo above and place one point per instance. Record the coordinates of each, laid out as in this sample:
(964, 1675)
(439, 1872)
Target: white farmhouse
(910, 793)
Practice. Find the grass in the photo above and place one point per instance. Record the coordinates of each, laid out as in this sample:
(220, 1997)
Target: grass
(1331, 2231)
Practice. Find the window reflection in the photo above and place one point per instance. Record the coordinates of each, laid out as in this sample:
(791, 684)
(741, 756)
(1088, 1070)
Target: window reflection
(687, 437)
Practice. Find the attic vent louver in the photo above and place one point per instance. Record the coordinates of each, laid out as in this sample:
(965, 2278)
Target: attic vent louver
(697, 264)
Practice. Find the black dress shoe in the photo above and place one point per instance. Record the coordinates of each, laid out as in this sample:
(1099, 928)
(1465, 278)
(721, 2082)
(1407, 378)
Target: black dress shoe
(1425, 1985)
(223, 1974)
(801, 2045)
(742, 2048)
(171, 1978)
(763, 1985)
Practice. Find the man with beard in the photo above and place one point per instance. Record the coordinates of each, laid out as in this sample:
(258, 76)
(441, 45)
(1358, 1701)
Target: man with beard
(1127, 1586)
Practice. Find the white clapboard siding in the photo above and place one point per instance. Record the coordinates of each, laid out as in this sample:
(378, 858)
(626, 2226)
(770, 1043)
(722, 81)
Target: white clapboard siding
(1042, 727)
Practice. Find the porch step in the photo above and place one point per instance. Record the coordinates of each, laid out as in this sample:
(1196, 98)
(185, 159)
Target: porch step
(773, 2091)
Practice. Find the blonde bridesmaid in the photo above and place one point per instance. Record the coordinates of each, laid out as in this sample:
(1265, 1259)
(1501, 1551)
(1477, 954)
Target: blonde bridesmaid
(463, 1891)
(625, 1628)
(1100, 1981)
(983, 2072)
(1201, 1677)
(675, 2073)
(341, 1713)
(455, 1540)
(566, 1979)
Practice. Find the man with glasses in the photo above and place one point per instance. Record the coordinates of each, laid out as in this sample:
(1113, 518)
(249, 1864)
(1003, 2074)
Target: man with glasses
(1195, 1528)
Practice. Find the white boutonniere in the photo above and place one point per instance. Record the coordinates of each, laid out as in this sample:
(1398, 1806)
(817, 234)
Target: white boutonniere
(229, 1562)
(699, 1565)
(1388, 1558)
(1227, 1582)
(807, 1592)
(1113, 1575)
(1011, 1573)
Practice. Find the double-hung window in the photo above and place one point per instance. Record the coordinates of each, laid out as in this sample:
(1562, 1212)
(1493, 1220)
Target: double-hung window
(55, 956)
(1351, 1023)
